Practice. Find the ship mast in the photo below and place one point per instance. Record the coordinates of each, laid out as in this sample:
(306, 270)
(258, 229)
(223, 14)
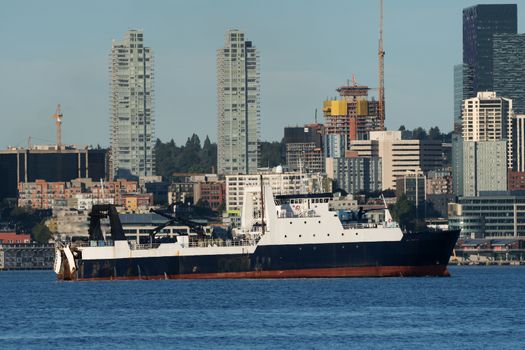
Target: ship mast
(262, 205)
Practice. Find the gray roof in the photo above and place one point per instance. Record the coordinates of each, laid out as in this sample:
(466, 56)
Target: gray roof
(142, 219)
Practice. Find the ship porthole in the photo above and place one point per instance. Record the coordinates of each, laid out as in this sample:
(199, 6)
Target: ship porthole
(314, 234)
(319, 221)
(285, 236)
(342, 234)
(300, 235)
(356, 233)
(290, 222)
(305, 222)
(328, 234)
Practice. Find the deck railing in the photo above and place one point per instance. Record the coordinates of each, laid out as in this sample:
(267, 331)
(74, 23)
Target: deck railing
(205, 243)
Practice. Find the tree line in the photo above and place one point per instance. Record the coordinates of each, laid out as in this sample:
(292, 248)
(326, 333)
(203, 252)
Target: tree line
(194, 157)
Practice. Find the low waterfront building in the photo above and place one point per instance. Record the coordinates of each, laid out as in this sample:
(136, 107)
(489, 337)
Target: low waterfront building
(489, 215)
(28, 256)
(14, 238)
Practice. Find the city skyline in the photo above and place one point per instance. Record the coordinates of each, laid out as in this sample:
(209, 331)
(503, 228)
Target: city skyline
(301, 67)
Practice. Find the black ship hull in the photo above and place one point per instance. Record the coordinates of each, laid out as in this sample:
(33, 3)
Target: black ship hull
(417, 254)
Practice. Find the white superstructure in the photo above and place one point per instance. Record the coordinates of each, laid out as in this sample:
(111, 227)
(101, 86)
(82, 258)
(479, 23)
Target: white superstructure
(298, 222)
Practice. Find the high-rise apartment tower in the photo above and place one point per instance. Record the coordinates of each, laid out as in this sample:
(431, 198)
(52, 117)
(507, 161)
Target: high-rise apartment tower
(238, 105)
(131, 101)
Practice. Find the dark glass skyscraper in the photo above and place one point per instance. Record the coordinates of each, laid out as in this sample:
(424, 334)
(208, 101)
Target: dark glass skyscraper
(463, 79)
(509, 68)
(480, 23)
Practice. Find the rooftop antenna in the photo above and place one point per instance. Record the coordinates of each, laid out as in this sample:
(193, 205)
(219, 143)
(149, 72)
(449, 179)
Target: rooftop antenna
(315, 118)
(381, 57)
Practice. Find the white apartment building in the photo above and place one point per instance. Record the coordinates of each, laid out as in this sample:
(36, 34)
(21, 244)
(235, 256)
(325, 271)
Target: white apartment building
(281, 184)
(486, 117)
(399, 156)
(238, 105)
(131, 101)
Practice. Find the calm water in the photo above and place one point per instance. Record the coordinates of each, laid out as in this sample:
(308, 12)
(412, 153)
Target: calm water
(477, 308)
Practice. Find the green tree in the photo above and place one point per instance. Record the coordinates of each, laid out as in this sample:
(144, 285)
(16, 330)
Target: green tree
(403, 211)
(23, 218)
(435, 134)
(41, 233)
(419, 134)
(188, 158)
(271, 153)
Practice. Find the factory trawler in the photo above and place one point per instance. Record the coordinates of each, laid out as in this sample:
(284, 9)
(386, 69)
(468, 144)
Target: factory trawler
(279, 237)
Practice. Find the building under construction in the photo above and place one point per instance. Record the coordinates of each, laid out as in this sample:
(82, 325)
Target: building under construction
(353, 115)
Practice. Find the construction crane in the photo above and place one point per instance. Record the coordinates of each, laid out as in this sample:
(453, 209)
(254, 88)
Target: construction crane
(58, 124)
(381, 57)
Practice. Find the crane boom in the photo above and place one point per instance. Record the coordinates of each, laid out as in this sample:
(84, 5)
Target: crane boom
(381, 57)
(58, 124)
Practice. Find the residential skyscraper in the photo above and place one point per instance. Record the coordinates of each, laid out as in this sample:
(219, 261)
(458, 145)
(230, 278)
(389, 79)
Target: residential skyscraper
(238, 105)
(481, 163)
(131, 101)
(486, 117)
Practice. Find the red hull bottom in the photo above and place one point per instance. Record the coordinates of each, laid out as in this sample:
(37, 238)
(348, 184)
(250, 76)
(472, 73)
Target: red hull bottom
(366, 271)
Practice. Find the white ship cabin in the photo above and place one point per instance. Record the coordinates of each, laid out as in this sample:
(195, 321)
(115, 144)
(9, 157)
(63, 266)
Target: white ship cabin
(330, 211)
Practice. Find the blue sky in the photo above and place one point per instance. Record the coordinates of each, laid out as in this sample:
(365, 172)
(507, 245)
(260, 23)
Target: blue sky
(57, 52)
